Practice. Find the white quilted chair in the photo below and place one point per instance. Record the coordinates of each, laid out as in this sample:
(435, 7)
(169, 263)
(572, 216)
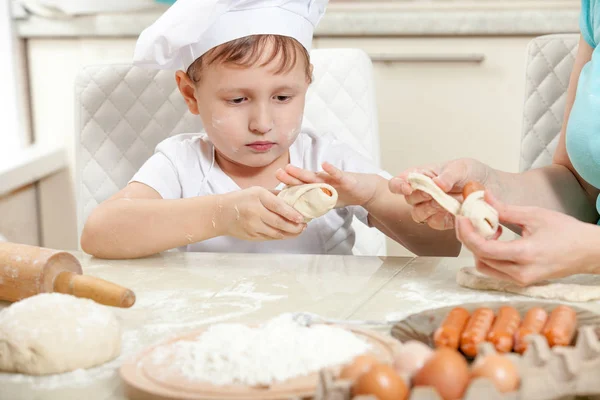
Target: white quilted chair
(549, 64)
(123, 112)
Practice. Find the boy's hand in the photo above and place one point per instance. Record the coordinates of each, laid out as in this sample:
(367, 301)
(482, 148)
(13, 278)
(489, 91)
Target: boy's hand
(354, 189)
(256, 214)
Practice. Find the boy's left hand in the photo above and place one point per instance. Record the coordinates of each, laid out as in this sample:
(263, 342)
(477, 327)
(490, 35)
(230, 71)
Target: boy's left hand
(354, 189)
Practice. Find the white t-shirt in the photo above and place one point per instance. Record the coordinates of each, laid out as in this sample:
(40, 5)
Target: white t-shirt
(184, 166)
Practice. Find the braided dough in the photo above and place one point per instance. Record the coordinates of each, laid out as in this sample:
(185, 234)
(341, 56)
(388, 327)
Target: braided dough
(311, 200)
(483, 216)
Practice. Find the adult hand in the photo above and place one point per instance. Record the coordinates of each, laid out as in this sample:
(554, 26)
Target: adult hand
(451, 177)
(553, 245)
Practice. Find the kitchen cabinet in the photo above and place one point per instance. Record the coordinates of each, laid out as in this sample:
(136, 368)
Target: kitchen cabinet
(19, 216)
(445, 98)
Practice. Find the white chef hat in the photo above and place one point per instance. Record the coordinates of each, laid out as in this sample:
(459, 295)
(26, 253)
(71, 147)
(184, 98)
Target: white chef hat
(190, 28)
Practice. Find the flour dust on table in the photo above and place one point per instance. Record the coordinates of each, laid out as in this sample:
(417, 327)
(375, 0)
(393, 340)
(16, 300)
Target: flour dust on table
(51, 333)
(576, 288)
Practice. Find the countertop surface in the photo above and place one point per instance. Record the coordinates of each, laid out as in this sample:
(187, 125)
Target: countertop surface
(180, 292)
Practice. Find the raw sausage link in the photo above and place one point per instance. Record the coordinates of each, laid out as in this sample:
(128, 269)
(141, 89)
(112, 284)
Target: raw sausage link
(504, 329)
(472, 187)
(448, 334)
(476, 331)
(533, 323)
(561, 326)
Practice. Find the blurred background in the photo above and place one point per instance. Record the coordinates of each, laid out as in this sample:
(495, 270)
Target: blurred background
(449, 78)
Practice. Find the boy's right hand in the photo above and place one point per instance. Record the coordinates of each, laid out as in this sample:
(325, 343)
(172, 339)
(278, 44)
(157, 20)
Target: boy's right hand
(451, 177)
(257, 214)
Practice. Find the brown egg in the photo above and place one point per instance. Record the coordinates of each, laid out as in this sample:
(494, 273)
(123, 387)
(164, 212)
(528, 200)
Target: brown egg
(446, 371)
(359, 365)
(500, 370)
(381, 381)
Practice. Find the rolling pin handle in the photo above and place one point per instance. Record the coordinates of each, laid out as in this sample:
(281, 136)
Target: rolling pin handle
(96, 289)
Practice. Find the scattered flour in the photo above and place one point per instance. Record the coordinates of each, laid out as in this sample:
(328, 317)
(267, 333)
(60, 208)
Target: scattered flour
(429, 293)
(274, 352)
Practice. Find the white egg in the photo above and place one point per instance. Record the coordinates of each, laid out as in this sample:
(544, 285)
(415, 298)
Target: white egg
(411, 357)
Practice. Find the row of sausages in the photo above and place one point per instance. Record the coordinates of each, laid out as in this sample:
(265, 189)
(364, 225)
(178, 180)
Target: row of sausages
(465, 331)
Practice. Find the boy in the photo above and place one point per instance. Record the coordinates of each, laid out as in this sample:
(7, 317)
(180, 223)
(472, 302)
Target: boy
(244, 68)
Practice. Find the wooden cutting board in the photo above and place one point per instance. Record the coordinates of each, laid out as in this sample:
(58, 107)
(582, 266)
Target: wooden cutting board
(144, 379)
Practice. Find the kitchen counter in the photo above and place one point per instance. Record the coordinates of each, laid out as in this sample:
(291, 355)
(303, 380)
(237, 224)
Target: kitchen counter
(360, 18)
(181, 292)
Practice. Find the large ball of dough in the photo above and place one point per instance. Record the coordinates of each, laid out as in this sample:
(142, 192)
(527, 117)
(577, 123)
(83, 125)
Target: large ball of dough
(311, 200)
(51, 333)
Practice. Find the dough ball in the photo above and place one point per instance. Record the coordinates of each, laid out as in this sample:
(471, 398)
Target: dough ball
(483, 216)
(311, 200)
(52, 333)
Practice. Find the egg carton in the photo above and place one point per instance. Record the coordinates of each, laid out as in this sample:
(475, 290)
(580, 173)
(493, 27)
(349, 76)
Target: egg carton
(546, 374)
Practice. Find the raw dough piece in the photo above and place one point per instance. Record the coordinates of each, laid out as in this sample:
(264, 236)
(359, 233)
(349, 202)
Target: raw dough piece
(427, 185)
(567, 291)
(51, 333)
(310, 200)
(483, 216)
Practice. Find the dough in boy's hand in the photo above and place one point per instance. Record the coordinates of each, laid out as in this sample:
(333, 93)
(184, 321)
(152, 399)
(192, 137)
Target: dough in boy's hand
(311, 200)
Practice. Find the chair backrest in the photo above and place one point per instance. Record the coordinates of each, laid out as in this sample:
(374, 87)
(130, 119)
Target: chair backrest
(550, 60)
(123, 112)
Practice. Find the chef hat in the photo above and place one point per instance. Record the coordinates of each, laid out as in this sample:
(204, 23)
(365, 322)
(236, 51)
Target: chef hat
(190, 28)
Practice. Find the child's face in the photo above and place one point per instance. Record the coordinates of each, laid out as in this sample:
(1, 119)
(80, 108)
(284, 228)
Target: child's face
(252, 115)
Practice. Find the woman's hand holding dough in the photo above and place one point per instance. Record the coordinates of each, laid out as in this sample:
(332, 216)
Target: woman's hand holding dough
(546, 249)
(483, 216)
(450, 177)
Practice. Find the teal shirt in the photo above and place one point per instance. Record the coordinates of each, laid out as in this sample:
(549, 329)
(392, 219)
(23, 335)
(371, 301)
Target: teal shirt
(583, 129)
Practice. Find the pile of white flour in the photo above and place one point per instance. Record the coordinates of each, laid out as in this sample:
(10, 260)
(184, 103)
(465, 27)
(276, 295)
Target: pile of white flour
(278, 350)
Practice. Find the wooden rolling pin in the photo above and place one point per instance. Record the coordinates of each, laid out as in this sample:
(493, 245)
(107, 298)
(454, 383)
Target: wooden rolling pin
(29, 270)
